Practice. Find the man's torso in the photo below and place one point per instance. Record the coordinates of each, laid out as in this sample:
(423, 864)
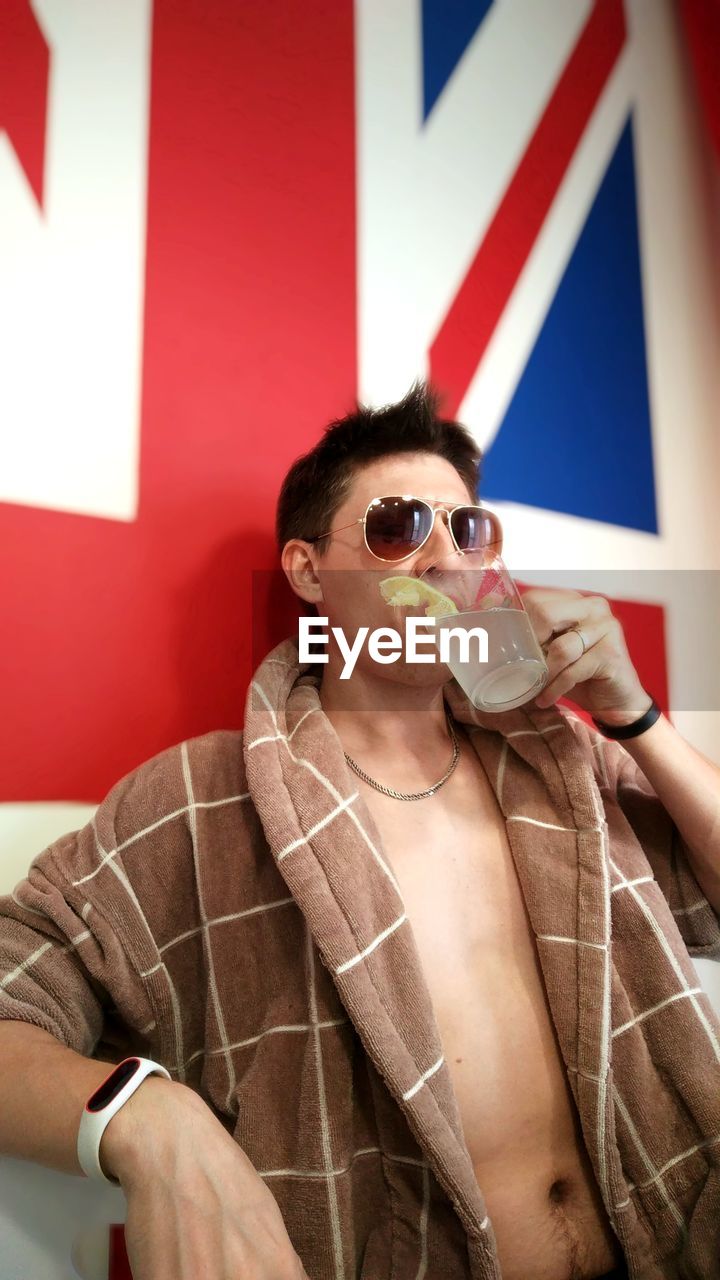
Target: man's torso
(456, 873)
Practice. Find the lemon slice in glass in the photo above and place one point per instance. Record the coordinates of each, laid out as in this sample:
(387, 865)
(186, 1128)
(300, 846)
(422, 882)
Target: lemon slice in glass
(412, 591)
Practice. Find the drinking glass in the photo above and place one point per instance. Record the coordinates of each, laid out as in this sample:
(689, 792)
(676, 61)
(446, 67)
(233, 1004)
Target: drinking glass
(478, 583)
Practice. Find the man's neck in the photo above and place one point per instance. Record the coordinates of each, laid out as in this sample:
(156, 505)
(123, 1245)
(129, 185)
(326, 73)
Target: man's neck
(386, 722)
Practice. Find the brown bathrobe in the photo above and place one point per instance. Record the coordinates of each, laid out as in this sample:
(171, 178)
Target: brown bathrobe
(230, 912)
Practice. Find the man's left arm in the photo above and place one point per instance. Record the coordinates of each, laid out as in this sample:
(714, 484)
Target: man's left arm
(588, 661)
(687, 784)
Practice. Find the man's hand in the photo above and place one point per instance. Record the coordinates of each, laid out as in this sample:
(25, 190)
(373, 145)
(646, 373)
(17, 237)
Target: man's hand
(600, 677)
(195, 1205)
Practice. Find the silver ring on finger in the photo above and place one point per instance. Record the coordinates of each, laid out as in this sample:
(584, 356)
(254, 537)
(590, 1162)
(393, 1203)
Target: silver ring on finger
(582, 639)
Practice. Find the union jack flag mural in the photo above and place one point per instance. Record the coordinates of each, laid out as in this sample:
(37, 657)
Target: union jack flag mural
(220, 224)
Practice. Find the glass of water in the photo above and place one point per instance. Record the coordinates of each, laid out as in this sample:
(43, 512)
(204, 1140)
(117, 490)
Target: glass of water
(477, 595)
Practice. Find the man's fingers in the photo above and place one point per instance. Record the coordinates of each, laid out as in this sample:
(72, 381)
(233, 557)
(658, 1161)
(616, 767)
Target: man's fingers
(564, 681)
(571, 645)
(570, 664)
(552, 613)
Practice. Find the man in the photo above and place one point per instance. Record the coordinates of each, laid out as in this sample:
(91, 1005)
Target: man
(419, 975)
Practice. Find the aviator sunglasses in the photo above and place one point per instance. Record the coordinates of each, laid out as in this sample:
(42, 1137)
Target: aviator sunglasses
(395, 527)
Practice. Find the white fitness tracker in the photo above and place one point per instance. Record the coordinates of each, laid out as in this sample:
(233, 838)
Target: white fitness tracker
(103, 1104)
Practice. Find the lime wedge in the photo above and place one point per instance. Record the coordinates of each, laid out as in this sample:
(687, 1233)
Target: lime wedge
(412, 591)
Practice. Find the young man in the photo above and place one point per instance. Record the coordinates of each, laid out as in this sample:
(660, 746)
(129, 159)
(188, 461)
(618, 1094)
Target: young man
(419, 975)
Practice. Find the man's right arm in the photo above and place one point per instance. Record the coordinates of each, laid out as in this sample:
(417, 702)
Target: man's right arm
(77, 941)
(195, 1205)
(43, 1089)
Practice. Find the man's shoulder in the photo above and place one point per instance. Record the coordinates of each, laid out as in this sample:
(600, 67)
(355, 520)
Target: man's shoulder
(215, 759)
(604, 756)
(214, 753)
(201, 771)
(583, 730)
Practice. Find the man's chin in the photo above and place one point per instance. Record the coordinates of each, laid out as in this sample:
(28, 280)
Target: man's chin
(412, 675)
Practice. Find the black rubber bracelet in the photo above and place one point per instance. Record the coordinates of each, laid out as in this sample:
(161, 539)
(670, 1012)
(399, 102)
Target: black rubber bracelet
(631, 730)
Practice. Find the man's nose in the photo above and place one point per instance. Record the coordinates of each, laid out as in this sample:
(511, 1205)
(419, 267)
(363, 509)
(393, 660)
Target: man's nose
(439, 543)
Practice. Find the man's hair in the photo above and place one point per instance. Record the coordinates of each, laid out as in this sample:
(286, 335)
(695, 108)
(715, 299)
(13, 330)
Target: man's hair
(318, 482)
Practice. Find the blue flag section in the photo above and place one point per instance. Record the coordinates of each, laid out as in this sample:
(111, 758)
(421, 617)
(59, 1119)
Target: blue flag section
(577, 437)
(448, 26)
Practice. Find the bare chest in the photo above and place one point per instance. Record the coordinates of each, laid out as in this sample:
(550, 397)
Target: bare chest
(460, 888)
(457, 877)
(461, 892)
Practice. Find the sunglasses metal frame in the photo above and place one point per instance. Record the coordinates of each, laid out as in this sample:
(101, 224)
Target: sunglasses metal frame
(409, 497)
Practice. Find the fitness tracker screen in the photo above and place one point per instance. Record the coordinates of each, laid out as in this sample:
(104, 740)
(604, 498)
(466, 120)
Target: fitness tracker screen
(111, 1087)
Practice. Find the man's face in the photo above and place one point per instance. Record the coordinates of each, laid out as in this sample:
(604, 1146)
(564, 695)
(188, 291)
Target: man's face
(349, 575)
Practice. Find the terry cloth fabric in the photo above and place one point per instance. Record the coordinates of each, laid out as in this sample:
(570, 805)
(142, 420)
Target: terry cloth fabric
(230, 912)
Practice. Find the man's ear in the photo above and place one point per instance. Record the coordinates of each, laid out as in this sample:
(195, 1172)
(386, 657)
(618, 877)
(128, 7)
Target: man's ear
(299, 568)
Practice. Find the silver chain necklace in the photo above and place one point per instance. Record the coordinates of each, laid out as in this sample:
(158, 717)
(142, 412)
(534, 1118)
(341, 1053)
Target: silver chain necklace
(418, 795)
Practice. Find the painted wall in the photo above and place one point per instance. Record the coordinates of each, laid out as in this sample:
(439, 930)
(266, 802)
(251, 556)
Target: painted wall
(219, 224)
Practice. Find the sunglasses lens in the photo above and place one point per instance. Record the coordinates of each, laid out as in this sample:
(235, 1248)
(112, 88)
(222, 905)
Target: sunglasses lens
(475, 528)
(397, 526)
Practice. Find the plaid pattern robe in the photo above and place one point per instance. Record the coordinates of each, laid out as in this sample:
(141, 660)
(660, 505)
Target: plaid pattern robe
(230, 912)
